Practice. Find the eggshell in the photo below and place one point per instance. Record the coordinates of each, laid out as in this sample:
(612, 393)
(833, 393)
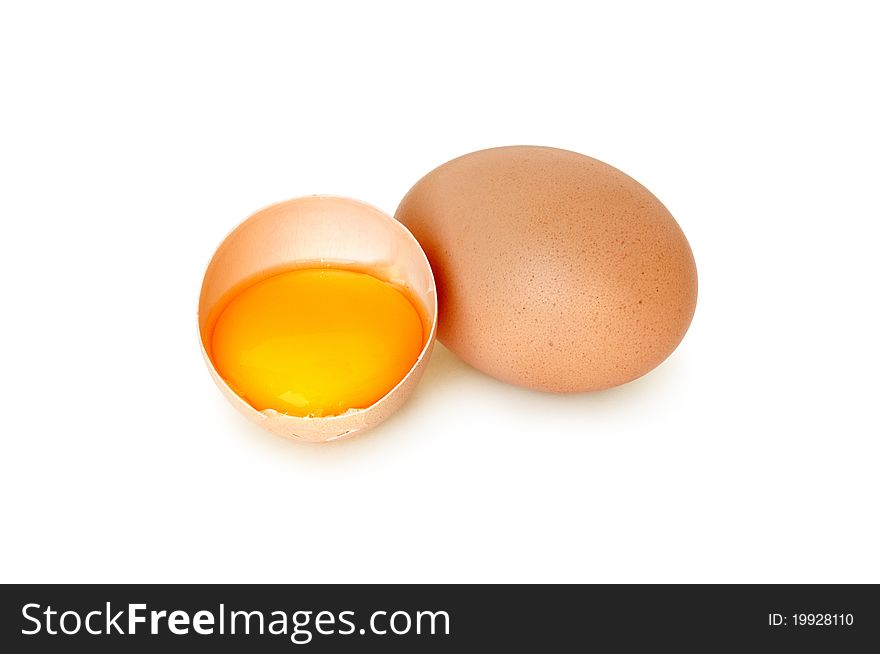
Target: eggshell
(329, 230)
(554, 271)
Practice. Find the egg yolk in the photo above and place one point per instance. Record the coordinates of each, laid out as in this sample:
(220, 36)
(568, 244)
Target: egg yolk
(316, 342)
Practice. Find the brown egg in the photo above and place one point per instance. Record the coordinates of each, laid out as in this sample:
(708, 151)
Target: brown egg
(554, 271)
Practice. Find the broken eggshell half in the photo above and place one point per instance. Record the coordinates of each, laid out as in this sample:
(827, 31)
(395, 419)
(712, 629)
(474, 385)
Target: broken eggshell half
(326, 231)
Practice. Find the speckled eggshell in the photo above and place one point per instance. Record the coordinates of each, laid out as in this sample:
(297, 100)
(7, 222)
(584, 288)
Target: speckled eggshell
(554, 271)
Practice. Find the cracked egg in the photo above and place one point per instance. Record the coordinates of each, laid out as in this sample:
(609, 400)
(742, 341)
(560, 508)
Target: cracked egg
(317, 317)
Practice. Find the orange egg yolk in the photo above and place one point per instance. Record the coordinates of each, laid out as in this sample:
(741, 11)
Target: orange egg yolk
(316, 342)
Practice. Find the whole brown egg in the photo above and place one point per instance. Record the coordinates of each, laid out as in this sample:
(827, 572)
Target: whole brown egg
(554, 270)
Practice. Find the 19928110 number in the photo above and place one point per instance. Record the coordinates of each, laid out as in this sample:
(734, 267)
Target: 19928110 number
(822, 619)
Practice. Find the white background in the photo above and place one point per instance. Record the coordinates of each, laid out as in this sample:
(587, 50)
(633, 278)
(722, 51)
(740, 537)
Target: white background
(132, 140)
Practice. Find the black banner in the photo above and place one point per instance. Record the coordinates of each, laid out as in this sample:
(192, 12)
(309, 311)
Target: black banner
(419, 618)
